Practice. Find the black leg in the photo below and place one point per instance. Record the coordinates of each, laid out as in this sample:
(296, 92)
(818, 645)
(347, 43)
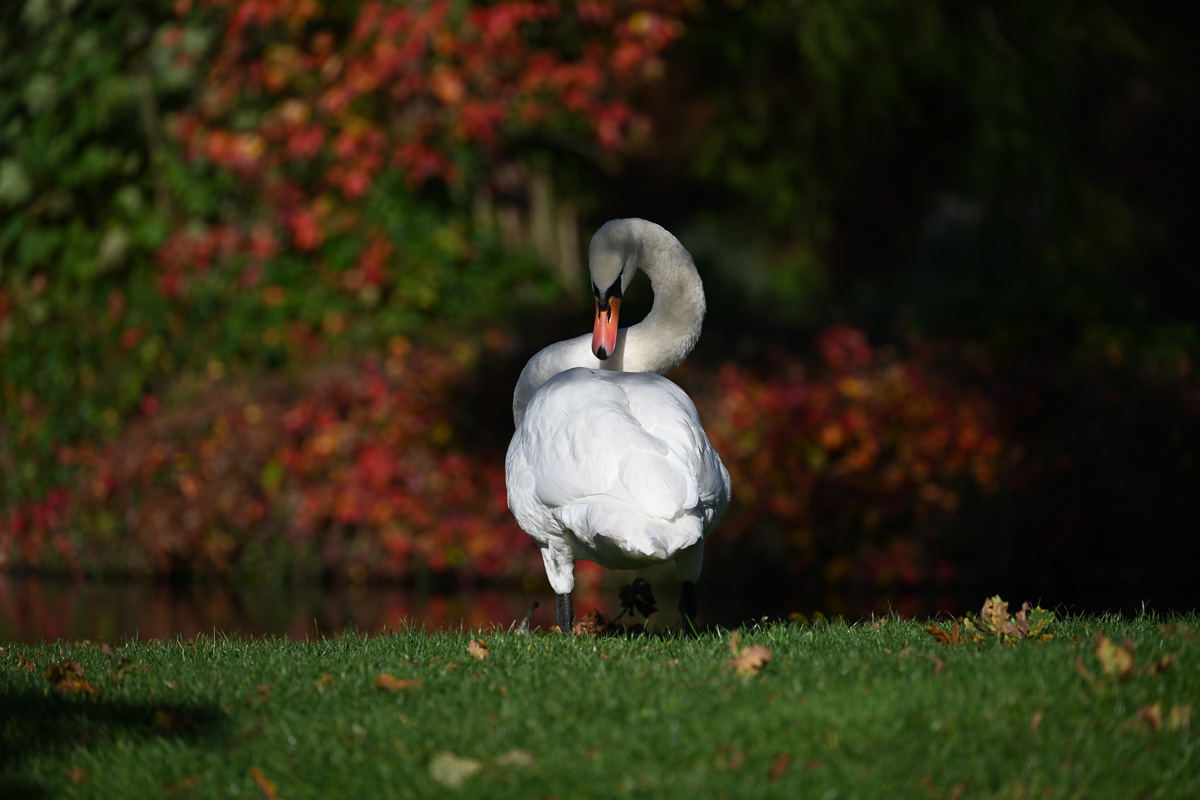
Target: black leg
(689, 603)
(564, 611)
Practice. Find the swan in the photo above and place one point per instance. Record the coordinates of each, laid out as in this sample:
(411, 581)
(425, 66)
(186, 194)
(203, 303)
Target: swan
(609, 462)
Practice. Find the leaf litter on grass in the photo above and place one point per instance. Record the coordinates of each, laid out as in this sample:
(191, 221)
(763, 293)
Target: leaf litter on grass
(747, 661)
(995, 623)
(68, 677)
(478, 649)
(393, 684)
(454, 770)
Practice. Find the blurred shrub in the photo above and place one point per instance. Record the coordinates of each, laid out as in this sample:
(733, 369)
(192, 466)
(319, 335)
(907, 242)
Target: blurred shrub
(196, 188)
(83, 206)
(850, 473)
(351, 471)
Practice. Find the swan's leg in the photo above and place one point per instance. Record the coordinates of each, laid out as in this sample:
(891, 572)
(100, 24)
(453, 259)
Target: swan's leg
(687, 565)
(689, 603)
(560, 569)
(564, 611)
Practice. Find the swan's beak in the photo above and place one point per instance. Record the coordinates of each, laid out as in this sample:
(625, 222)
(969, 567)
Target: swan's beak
(604, 335)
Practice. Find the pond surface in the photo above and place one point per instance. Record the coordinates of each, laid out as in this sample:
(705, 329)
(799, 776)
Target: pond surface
(34, 609)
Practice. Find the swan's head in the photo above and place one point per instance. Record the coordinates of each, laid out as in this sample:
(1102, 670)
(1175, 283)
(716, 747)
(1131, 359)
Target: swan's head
(613, 257)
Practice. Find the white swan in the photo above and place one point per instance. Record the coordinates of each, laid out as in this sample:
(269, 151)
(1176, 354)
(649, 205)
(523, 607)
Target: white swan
(609, 462)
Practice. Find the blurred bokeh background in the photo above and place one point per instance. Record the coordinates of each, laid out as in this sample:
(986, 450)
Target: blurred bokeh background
(269, 270)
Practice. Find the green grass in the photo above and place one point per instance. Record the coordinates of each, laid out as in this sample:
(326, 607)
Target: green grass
(872, 710)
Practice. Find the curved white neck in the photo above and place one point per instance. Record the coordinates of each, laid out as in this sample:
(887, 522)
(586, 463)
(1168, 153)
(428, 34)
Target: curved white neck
(658, 343)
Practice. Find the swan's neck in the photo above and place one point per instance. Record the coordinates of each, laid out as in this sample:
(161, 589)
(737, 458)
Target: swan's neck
(661, 341)
(658, 343)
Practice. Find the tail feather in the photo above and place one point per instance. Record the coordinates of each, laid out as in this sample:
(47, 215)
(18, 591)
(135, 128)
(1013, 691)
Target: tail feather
(617, 533)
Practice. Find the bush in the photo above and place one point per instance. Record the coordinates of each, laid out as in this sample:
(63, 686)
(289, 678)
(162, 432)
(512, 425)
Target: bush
(851, 473)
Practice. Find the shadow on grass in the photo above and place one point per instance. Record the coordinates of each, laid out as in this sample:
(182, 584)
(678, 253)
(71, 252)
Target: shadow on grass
(36, 724)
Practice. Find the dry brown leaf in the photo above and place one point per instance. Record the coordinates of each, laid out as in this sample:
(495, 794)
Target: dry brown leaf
(264, 784)
(1182, 631)
(590, 624)
(1180, 718)
(1036, 722)
(1162, 664)
(478, 649)
(451, 770)
(995, 616)
(941, 635)
(76, 775)
(1116, 660)
(750, 660)
(1150, 716)
(386, 681)
(1022, 620)
(779, 766)
(69, 678)
(516, 758)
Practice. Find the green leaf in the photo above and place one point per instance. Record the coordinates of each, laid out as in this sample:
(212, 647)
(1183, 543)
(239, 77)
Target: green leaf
(15, 186)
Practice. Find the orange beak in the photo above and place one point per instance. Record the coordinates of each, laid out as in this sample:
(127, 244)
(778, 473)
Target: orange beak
(604, 335)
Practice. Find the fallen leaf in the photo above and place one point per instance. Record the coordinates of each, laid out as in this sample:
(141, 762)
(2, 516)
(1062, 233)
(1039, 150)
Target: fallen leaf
(516, 758)
(1162, 664)
(996, 618)
(1022, 620)
(1116, 660)
(750, 660)
(1180, 718)
(1150, 716)
(779, 766)
(1182, 631)
(1036, 722)
(76, 774)
(265, 785)
(589, 624)
(68, 677)
(478, 649)
(1039, 620)
(386, 681)
(941, 635)
(451, 770)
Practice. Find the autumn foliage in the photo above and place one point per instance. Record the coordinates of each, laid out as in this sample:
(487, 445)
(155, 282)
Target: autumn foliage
(852, 466)
(432, 90)
(848, 472)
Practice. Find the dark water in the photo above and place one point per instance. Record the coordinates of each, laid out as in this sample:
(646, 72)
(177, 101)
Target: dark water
(34, 609)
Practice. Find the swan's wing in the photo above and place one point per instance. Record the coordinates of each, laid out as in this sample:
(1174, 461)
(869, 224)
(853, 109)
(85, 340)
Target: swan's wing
(666, 412)
(619, 457)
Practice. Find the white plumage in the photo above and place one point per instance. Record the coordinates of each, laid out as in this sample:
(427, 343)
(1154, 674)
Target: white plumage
(609, 462)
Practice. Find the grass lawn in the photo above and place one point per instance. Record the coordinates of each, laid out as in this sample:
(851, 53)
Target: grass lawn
(874, 710)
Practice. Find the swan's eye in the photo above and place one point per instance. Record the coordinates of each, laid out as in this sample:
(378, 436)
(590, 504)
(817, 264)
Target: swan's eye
(613, 291)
